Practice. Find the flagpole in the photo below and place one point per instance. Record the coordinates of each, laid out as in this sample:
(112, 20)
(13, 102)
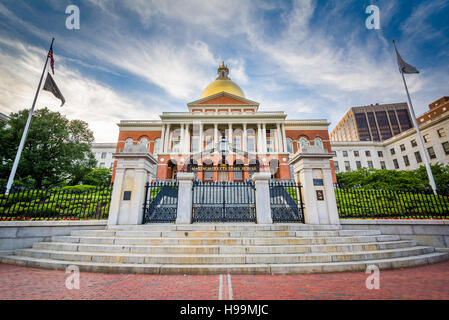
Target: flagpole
(25, 132)
(421, 141)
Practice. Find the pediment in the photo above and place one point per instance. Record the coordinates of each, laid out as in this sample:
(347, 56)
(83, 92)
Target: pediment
(223, 98)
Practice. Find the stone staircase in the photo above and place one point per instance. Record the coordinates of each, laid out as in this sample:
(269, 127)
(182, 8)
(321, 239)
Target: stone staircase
(225, 248)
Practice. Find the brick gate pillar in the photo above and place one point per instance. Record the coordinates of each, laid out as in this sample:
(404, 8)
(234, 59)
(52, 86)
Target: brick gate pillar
(312, 169)
(135, 167)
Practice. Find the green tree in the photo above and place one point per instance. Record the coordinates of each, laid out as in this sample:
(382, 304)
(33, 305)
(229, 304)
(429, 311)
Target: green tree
(98, 177)
(57, 151)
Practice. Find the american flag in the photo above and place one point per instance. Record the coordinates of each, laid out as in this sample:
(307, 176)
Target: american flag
(52, 60)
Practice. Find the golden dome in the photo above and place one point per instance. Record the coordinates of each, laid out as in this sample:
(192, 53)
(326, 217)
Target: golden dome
(223, 83)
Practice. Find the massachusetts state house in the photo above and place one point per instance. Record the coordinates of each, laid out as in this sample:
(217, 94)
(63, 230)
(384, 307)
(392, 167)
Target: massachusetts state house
(224, 137)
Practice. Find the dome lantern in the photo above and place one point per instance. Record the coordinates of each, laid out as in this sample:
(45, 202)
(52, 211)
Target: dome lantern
(223, 84)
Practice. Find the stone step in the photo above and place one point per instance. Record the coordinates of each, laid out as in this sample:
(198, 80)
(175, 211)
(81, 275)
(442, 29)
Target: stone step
(223, 234)
(223, 241)
(213, 249)
(401, 262)
(227, 227)
(110, 257)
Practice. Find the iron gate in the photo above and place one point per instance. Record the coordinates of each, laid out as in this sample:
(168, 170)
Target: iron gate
(223, 201)
(286, 201)
(161, 202)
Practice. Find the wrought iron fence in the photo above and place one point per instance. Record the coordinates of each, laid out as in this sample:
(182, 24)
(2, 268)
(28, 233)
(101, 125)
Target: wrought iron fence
(161, 201)
(286, 201)
(223, 201)
(73, 203)
(363, 203)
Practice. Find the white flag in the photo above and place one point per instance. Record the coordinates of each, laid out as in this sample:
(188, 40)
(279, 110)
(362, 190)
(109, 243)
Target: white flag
(404, 67)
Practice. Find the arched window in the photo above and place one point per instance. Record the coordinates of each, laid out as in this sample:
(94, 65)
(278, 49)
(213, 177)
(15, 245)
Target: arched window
(319, 143)
(289, 145)
(303, 142)
(144, 142)
(157, 146)
(128, 142)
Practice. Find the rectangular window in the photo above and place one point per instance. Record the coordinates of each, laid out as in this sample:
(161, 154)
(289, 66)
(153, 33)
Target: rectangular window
(368, 153)
(446, 147)
(336, 166)
(270, 147)
(347, 166)
(441, 133)
(237, 143)
(194, 144)
(373, 126)
(362, 126)
(413, 142)
(396, 164)
(358, 164)
(426, 138)
(102, 165)
(432, 154)
(382, 165)
(252, 144)
(345, 153)
(380, 154)
(404, 119)
(370, 165)
(103, 155)
(356, 153)
(384, 126)
(392, 151)
(418, 157)
(406, 161)
(394, 122)
(402, 146)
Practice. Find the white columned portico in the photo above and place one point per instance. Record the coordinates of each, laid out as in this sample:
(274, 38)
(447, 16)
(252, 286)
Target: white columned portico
(312, 166)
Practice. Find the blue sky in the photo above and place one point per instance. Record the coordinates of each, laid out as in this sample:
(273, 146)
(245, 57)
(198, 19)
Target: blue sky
(135, 59)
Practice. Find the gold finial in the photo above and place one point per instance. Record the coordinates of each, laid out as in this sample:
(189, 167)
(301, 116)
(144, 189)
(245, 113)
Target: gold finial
(222, 65)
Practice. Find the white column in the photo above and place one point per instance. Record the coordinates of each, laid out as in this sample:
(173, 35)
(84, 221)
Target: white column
(187, 139)
(181, 139)
(167, 139)
(279, 139)
(230, 136)
(259, 138)
(161, 144)
(200, 140)
(284, 138)
(264, 137)
(245, 138)
(215, 136)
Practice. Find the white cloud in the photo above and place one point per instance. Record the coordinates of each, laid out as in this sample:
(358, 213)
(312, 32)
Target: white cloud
(86, 99)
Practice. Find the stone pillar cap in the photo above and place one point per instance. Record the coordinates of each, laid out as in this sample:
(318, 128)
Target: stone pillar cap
(261, 176)
(185, 176)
